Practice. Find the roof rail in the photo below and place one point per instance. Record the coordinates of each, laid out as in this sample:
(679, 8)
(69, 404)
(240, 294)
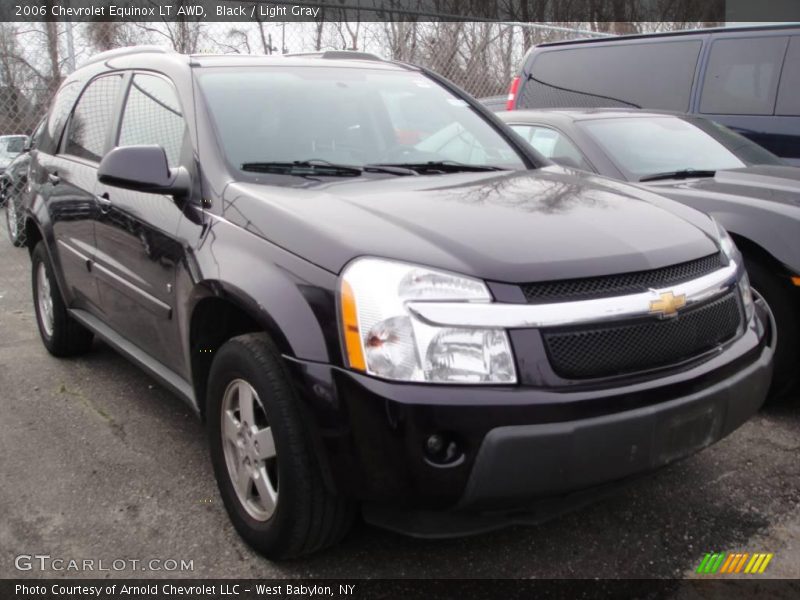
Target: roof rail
(337, 55)
(675, 33)
(124, 51)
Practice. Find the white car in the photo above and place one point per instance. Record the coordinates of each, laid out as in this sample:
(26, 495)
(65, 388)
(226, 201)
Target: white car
(10, 147)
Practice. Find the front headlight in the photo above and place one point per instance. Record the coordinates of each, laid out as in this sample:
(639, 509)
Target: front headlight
(726, 243)
(383, 338)
(729, 249)
(747, 297)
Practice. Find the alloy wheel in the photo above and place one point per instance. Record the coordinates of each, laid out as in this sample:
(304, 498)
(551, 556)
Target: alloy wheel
(44, 299)
(249, 449)
(13, 222)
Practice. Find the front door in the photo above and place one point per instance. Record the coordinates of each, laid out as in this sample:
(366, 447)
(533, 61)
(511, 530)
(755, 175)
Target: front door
(137, 248)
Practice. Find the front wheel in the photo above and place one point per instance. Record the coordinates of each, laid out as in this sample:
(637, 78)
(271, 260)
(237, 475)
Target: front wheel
(778, 296)
(267, 473)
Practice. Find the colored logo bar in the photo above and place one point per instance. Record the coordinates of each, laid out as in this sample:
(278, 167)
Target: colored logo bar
(734, 562)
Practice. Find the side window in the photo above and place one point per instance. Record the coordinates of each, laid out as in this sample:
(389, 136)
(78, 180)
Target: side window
(153, 116)
(638, 75)
(88, 127)
(59, 112)
(742, 76)
(788, 96)
(554, 145)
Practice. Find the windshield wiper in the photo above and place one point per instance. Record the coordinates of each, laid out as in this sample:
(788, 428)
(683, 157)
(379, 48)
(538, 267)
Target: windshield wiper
(393, 169)
(303, 167)
(316, 166)
(682, 174)
(442, 166)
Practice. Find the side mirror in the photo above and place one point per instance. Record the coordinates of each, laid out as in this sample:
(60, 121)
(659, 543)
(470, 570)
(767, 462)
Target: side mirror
(28, 146)
(143, 169)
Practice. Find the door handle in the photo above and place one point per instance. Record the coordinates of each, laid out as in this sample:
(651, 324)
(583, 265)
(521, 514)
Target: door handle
(104, 201)
(53, 178)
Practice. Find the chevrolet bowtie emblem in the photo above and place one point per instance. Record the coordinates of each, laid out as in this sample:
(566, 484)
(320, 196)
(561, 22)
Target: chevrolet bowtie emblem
(668, 304)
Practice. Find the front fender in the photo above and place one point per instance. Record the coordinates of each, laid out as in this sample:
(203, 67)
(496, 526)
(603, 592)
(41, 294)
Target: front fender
(292, 299)
(775, 233)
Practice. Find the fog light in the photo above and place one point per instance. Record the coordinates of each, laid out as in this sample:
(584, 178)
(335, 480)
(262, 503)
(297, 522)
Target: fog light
(443, 450)
(434, 445)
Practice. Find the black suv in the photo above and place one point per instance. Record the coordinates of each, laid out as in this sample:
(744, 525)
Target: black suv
(378, 296)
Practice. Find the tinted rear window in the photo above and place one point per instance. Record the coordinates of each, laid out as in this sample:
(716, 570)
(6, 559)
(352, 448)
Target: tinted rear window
(789, 91)
(650, 75)
(742, 76)
(62, 105)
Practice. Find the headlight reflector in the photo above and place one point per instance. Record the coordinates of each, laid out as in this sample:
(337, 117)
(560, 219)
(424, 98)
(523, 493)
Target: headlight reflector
(747, 297)
(384, 339)
(729, 249)
(469, 356)
(726, 243)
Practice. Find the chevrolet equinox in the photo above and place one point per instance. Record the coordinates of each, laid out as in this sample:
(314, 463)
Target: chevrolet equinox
(380, 299)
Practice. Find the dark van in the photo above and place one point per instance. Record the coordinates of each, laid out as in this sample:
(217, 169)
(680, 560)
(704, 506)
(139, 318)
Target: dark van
(747, 78)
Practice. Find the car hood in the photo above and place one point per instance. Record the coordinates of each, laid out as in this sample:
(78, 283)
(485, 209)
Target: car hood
(521, 226)
(773, 183)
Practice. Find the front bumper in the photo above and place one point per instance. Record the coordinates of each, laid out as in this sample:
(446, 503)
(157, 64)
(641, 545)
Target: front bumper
(529, 461)
(520, 444)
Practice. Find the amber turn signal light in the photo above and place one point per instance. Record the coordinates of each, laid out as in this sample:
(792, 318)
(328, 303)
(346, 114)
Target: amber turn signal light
(352, 338)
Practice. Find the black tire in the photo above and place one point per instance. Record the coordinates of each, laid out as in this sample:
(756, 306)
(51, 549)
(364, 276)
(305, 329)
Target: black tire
(15, 223)
(307, 516)
(779, 297)
(67, 337)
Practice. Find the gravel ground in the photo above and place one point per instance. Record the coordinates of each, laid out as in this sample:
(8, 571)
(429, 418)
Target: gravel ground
(100, 461)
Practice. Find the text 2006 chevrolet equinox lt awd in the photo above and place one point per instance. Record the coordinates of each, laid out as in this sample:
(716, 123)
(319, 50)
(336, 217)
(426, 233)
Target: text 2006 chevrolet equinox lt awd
(377, 297)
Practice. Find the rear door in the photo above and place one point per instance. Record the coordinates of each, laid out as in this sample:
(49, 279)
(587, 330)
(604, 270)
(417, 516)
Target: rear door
(137, 249)
(67, 180)
(750, 85)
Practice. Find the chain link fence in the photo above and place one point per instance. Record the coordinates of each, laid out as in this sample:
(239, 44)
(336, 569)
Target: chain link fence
(482, 57)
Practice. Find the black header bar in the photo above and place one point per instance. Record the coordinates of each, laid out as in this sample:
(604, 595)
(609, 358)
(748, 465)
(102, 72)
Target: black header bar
(539, 11)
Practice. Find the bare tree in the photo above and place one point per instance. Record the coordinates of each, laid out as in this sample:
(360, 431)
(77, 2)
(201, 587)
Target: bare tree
(266, 39)
(401, 39)
(183, 34)
(16, 107)
(106, 35)
(319, 27)
(51, 35)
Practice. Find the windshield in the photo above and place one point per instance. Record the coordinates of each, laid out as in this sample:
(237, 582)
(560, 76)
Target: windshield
(642, 146)
(346, 116)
